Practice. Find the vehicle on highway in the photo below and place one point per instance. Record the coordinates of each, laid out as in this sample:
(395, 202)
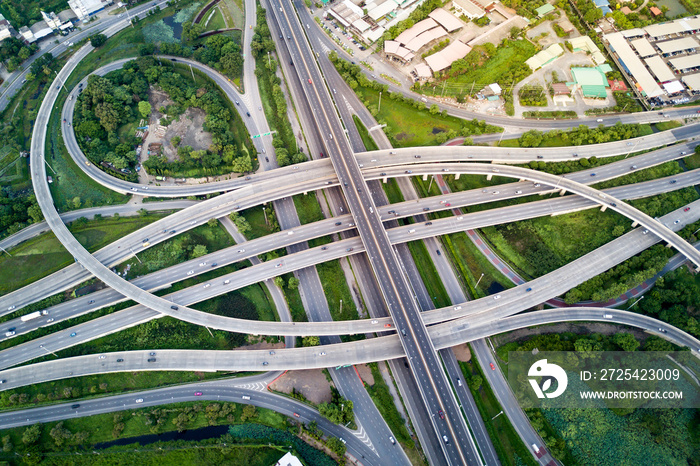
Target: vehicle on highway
(278, 265)
(529, 289)
(673, 181)
(645, 232)
(73, 334)
(676, 222)
(592, 174)
(444, 437)
(214, 264)
(92, 301)
(10, 333)
(498, 296)
(202, 264)
(409, 171)
(459, 382)
(152, 353)
(75, 406)
(151, 359)
(607, 316)
(134, 189)
(599, 120)
(190, 272)
(10, 308)
(172, 232)
(265, 363)
(140, 400)
(686, 209)
(441, 414)
(428, 223)
(387, 325)
(349, 249)
(272, 353)
(324, 248)
(322, 354)
(120, 360)
(3, 381)
(391, 439)
(102, 356)
(247, 113)
(310, 81)
(296, 414)
(49, 320)
(633, 167)
(240, 251)
(197, 393)
(174, 308)
(193, 222)
(375, 321)
(226, 282)
(493, 368)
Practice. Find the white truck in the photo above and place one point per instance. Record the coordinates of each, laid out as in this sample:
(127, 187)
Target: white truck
(33, 315)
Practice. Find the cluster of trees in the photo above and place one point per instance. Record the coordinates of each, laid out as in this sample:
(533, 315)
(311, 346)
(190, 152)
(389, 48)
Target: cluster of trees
(589, 11)
(13, 52)
(616, 281)
(339, 410)
(17, 212)
(436, 48)
(533, 95)
(284, 140)
(583, 135)
(568, 114)
(674, 299)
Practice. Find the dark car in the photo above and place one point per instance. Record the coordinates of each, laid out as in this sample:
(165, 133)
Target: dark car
(428, 223)
(266, 159)
(441, 414)
(592, 174)
(172, 59)
(338, 223)
(75, 406)
(120, 360)
(151, 359)
(247, 113)
(174, 308)
(172, 232)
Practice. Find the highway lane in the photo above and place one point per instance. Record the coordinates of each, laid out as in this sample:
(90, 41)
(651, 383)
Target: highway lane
(124, 210)
(433, 384)
(251, 249)
(381, 348)
(225, 390)
(479, 312)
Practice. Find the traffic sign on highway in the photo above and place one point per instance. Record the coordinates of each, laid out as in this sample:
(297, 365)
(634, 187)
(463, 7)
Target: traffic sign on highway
(264, 134)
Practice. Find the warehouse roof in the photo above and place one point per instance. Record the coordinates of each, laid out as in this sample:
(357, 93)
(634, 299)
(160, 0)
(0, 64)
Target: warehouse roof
(645, 81)
(684, 63)
(674, 87)
(544, 9)
(545, 56)
(643, 47)
(692, 81)
(664, 29)
(446, 19)
(660, 69)
(422, 39)
(418, 28)
(445, 57)
(677, 45)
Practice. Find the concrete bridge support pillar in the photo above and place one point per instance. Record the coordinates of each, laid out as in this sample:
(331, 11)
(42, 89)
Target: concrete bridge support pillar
(385, 179)
(425, 177)
(562, 192)
(603, 208)
(488, 177)
(634, 225)
(457, 176)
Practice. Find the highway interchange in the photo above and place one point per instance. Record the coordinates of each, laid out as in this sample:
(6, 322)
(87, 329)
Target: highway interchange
(372, 234)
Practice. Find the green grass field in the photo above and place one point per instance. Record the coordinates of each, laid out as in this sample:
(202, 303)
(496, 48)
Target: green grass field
(308, 208)
(429, 274)
(336, 289)
(44, 254)
(692, 161)
(216, 21)
(364, 134)
(259, 227)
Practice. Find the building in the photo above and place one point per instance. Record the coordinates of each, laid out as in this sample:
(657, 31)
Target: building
(423, 72)
(655, 11)
(643, 47)
(395, 50)
(40, 30)
(591, 81)
(625, 10)
(676, 46)
(445, 19)
(5, 28)
(692, 81)
(468, 8)
(545, 56)
(632, 65)
(560, 89)
(445, 57)
(544, 10)
(51, 20)
(586, 44)
(289, 460)
(84, 8)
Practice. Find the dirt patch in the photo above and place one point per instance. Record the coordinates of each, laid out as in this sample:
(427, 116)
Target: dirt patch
(311, 383)
(189, 129)
(263, 345)
(365, 373)
(573, 327)
(462, 353)
(157, 99)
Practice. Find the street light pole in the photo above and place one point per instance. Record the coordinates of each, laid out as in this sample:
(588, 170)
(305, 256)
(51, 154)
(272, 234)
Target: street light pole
(48, 350)
(379, 107)
(477, 282)
(634, 303)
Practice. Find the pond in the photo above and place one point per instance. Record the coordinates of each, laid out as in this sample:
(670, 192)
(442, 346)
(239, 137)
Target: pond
(177, 26)
(675, 7)
(195, 434)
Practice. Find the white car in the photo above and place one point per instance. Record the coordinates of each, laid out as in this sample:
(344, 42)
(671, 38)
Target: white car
(226, 282)
(375, 321)
(322, 354)
(207, 285)
(134, 189)
(202, 264)
(278, 265)
(498, 296)
(241, 251)
(140, 400)
(102, 357)
(193, 222)
(190, 272)
(10, 308)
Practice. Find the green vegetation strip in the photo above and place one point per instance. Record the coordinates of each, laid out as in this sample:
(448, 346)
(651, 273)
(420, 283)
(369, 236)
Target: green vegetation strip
(364, 134)
(429, 274)
(385, 404)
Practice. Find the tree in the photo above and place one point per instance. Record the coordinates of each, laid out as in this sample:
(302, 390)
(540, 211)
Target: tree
(60, 434)
(97, 40)
(618, 230)
(475, 382)
(279, 281)
(212, 222)
(76, 202)
(7, 444)
(249, 412)
(199, 251)
(31, 434)
(311, 341)
(35, 213)
(336, 446)
(434, 109)
(145, 109)
(626, 341)
(293, 283)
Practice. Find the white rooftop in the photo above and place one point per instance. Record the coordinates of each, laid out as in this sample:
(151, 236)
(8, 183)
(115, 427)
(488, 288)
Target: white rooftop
(684, 63)
(692, 81)
(660, 69)
(674, 87)
(643, 47)
(418, 28)
(446, 19)
(645, 81)
(677, 45)
(445, 57)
